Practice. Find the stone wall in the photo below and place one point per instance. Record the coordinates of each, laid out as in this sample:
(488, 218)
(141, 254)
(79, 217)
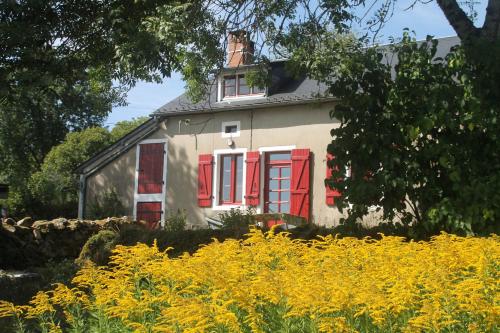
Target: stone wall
(27, 243)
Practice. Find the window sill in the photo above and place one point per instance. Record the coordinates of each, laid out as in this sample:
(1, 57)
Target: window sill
(228, 207)
(241, 98)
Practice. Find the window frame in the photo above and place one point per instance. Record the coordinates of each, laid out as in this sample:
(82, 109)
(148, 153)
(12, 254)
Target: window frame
(216, 191)
(263, 151)
(233, 180)
(237, 95)
(268, 164)
(230, 123)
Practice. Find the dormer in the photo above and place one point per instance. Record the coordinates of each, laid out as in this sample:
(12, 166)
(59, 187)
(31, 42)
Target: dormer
(232, 81)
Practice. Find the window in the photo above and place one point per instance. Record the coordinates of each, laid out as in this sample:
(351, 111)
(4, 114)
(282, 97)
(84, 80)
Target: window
(229, 86)
(231, 179)
(236, 85)
(277, 184)
(230, 129)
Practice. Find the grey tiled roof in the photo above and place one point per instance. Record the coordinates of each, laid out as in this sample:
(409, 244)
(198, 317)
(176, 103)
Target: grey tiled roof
(284, 89)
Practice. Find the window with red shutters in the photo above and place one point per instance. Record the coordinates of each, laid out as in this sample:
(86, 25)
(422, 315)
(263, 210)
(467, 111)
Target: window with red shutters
(300, 185)
(331, 194)
(205, 170)
(252, 193)
(231, 179)
(150, 173)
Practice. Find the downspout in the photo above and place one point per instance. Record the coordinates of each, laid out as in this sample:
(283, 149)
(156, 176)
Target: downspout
(251, 129)
(81, 196)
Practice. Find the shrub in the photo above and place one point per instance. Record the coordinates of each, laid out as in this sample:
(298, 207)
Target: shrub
(235, 219)
(176, 222)
(98, 248)
(272, 283)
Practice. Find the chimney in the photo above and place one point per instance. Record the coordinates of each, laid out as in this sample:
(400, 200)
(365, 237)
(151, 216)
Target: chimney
(239, 48)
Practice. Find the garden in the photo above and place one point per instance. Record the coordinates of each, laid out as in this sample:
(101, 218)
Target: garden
(271, 281)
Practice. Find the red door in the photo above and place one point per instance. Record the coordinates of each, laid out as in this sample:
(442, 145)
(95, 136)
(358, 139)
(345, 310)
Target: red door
(150, 175)
(149, 212)
(150, 178)
(277, 184)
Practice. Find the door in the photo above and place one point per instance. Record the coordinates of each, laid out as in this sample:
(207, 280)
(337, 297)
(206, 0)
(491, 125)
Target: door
(150, 182)
(149, 212)
(150, 168)
(278, 167)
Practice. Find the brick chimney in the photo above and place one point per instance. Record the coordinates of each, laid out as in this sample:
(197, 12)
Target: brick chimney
(239, 48)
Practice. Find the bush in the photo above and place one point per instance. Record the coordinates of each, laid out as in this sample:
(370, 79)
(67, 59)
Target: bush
(271, 283)
(235, 219)
(176, 222)
(98, 248)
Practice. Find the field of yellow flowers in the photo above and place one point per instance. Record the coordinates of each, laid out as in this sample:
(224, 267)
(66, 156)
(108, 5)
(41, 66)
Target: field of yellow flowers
(271, 283)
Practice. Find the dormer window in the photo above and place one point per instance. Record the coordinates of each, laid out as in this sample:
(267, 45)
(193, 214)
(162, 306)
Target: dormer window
(234, 86)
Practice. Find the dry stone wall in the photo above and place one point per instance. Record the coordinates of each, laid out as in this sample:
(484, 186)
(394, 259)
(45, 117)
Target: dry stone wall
(27, 243)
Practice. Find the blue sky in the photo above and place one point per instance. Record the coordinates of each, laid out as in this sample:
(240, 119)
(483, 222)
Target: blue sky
(424, 19)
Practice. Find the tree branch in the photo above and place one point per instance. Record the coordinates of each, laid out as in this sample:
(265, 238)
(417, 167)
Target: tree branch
(491, 24)
(458, 19)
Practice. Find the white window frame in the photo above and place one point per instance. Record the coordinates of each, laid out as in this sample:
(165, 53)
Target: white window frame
(220, 89)
(216, 188)
(236, 123)
(262, 152)
(154, 197)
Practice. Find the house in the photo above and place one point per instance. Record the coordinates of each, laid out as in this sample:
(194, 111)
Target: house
(240, 147)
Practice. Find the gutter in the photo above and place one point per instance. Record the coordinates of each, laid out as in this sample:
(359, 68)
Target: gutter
(245, 107)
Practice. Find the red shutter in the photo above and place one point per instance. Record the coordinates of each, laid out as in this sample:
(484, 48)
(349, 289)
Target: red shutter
(300, 190)
(205, 171)
(149, 212)
(252, 192)
(331, 194)
(150, 179)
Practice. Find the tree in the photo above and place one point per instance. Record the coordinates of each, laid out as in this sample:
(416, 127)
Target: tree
(55, 187)
(124, 127)
(420, 142)
(64, 63)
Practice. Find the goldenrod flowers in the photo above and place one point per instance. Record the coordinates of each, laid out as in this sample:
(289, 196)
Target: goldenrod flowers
(271, 283)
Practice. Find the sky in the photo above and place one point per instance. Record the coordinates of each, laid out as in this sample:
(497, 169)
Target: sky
(424, 19)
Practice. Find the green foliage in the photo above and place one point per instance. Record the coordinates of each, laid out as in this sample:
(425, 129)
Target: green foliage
(107, 204)
(63, 65)
(55, 186)
(56, 272)
(98, 248)
(237, 220)
(124, 127)
(176, 222)
(53, 190)
(59, 61)
(180, 240)
(421, 142)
